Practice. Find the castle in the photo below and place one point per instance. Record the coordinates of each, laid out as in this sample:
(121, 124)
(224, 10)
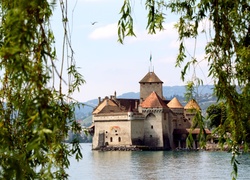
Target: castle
(150, 122)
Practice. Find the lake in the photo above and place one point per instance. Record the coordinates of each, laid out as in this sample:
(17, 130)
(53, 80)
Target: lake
(154, 165)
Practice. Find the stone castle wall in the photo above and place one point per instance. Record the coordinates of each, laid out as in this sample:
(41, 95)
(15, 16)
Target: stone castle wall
(110, 133)
(147, 88)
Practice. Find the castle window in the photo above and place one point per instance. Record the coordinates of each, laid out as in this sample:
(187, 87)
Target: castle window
(152, 127)
(106, 131)
(150, 136)
(111, 139)
(119, 139)
(115, 130)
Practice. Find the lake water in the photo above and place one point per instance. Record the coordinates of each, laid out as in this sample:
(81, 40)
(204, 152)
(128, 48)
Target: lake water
(154, 165)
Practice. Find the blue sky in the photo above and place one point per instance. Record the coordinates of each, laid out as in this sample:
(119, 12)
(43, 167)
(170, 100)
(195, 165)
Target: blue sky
(108, 66)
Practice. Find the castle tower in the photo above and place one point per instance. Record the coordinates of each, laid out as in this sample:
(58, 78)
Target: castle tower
(190, 109)
(148, 84)
(156, 123)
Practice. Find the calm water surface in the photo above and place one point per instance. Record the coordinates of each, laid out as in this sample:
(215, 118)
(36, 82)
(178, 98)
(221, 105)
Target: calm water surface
(152, 165)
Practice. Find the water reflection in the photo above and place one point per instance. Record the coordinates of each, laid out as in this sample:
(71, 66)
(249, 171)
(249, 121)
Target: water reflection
(146, 165)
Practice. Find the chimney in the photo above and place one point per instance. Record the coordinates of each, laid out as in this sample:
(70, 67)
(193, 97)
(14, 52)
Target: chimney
(107, 100)
(99, 100)
(141, 100)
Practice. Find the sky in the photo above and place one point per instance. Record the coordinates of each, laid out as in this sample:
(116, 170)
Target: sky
(108, 66)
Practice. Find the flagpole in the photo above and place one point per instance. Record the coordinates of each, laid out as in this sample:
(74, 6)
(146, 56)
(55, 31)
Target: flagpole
(150, 59)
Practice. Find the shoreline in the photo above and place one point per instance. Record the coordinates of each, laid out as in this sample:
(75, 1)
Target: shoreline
(209, 147)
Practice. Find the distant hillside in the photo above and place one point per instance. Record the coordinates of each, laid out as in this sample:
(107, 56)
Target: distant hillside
(85, 110)
(204, 100)
(86, 122)
(172, 91)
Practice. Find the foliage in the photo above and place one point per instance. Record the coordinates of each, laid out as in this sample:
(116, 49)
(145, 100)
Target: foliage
(216, 114)
(198, 119)
(197, 122)
(34, 114)
(189, 91)
(227, 51)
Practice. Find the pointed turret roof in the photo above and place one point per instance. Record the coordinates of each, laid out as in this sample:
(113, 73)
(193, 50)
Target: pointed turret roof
(153, 101)
(192, 104)
(174, 103)
(150, 78)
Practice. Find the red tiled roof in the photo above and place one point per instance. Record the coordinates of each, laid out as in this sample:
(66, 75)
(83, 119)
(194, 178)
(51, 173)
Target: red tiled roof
(107, 106)
(153, 101)
(117, 106)
(174, 103)
(128, 104)
(192, 104)
(150, 78)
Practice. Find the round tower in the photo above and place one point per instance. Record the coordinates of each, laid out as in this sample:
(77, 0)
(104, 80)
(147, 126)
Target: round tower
(191, 108)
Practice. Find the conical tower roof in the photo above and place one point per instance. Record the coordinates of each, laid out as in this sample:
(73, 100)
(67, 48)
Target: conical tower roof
(150, 78)
(174, 103)
(153, 101)
(192, 104)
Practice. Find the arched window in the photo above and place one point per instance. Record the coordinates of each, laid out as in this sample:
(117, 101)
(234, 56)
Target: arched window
(111, 139)
(119, 139)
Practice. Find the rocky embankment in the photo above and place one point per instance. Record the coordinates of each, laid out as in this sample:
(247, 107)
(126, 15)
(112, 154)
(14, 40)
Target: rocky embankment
(120, 148)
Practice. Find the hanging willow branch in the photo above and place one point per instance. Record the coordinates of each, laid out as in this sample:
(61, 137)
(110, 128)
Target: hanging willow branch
(35, 116)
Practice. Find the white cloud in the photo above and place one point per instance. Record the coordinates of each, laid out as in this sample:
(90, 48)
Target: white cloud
(142, 35)
(108, 31)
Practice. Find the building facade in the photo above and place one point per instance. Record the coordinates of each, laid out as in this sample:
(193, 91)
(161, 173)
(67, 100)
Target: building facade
(150, 122)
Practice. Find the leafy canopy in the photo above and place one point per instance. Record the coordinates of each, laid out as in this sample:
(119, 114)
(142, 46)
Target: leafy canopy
(34, 113)
(217, 115)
